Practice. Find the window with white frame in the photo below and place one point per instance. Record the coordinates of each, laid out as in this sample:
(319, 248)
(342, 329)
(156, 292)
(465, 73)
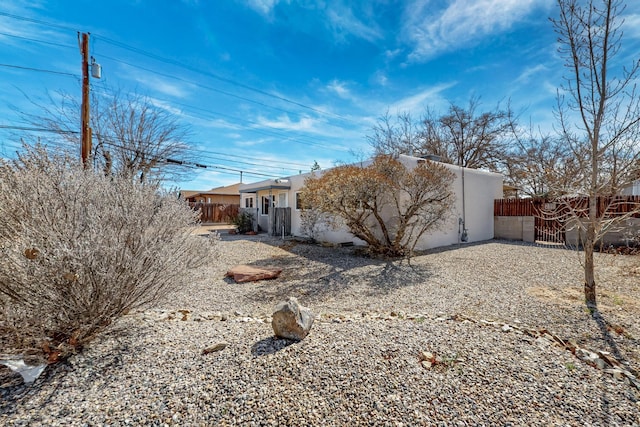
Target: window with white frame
(248, 202)
(299, 204)
(266, 202)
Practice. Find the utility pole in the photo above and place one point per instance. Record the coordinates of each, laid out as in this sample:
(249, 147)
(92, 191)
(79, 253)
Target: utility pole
(85, 131)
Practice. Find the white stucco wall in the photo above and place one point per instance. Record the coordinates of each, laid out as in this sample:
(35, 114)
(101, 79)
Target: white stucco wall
(481, 188)
(632, 189)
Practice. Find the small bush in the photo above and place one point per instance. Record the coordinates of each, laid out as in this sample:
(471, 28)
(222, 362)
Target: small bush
(79, 249)
(243, 222)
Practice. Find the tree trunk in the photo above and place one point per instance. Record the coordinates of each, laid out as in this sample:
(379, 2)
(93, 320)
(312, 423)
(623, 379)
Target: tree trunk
(589, 275)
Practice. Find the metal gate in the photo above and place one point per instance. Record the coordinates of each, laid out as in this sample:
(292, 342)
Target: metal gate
(548, 226)
(549, 230)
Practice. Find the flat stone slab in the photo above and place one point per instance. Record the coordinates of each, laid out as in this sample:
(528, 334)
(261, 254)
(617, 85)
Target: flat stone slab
(247, 273)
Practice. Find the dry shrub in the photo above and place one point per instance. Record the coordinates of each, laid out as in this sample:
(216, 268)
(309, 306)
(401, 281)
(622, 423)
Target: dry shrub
(79, 249)
(386, 204)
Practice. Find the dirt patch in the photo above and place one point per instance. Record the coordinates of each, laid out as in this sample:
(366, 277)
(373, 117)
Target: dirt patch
(206, 229)
(573, 296)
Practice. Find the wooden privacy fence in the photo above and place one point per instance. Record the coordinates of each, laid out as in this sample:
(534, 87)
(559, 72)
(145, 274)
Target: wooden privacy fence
(280, 221)
(216, 212)
(609, 206)
(551, 215)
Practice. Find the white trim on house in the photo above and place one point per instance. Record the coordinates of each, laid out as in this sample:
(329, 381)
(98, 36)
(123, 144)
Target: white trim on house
(266, 201)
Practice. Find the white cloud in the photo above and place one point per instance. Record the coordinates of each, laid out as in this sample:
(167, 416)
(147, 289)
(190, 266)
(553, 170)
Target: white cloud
(431, 97)
(380, 78)
(251, 142)
(339, 88)
(343, 21)
(391, 54)
(157, 83)
(529, 72)
(431, 31)
(305, 124)
(165, 106)
(631, 26)
(163, 86)
(263, 6)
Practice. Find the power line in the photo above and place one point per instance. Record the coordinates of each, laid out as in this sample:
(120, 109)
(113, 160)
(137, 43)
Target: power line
(38, 41)
(287, 137)
(223, 92)
(181, 162)
(36, 129)
(206, 153)
(182, 65)
(220, 91)
(39, 70)
(37, 21)
(109, 141)
(224, 79)
(217, 77)
(253, 158)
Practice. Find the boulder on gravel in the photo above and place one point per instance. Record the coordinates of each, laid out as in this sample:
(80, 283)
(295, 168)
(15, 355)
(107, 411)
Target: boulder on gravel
(291, 320)
(247, 273)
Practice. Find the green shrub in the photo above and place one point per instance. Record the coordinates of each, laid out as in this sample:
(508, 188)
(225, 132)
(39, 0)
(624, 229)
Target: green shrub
(243, 222)
(79, 249)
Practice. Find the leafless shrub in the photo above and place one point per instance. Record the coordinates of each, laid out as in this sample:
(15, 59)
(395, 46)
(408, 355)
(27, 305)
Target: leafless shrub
(79, 249)
(385, 204)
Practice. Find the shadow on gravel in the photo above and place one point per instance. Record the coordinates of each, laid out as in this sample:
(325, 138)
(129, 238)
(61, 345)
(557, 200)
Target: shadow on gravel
(605, 329)
(50, 382)
(329, 280)
(18, 392)
(270, 345)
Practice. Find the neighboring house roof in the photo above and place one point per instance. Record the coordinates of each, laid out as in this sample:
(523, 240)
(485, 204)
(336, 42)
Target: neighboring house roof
(229, 190)
(188, 193)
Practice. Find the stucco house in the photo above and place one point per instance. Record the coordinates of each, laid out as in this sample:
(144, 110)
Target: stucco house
(473, 212)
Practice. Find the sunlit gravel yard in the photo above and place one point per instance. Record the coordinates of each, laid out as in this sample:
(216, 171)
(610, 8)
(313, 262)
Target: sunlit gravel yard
(473, 307)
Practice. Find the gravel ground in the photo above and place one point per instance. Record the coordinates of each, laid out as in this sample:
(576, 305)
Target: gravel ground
(482, 311)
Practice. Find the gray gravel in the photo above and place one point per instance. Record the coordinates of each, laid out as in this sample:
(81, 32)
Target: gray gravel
(361, 363)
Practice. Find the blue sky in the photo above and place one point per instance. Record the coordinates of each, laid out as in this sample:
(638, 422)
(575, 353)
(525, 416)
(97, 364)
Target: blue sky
(270, 86)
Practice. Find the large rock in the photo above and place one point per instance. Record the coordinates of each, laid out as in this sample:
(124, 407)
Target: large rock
(291, 320)
(247, 273)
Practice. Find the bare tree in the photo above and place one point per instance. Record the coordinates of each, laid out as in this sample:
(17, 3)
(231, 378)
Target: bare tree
(462, 136)
(396, 135)
(131, 135)
(599, 114)
(385, 204)
(468, 138)
(541, 166)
